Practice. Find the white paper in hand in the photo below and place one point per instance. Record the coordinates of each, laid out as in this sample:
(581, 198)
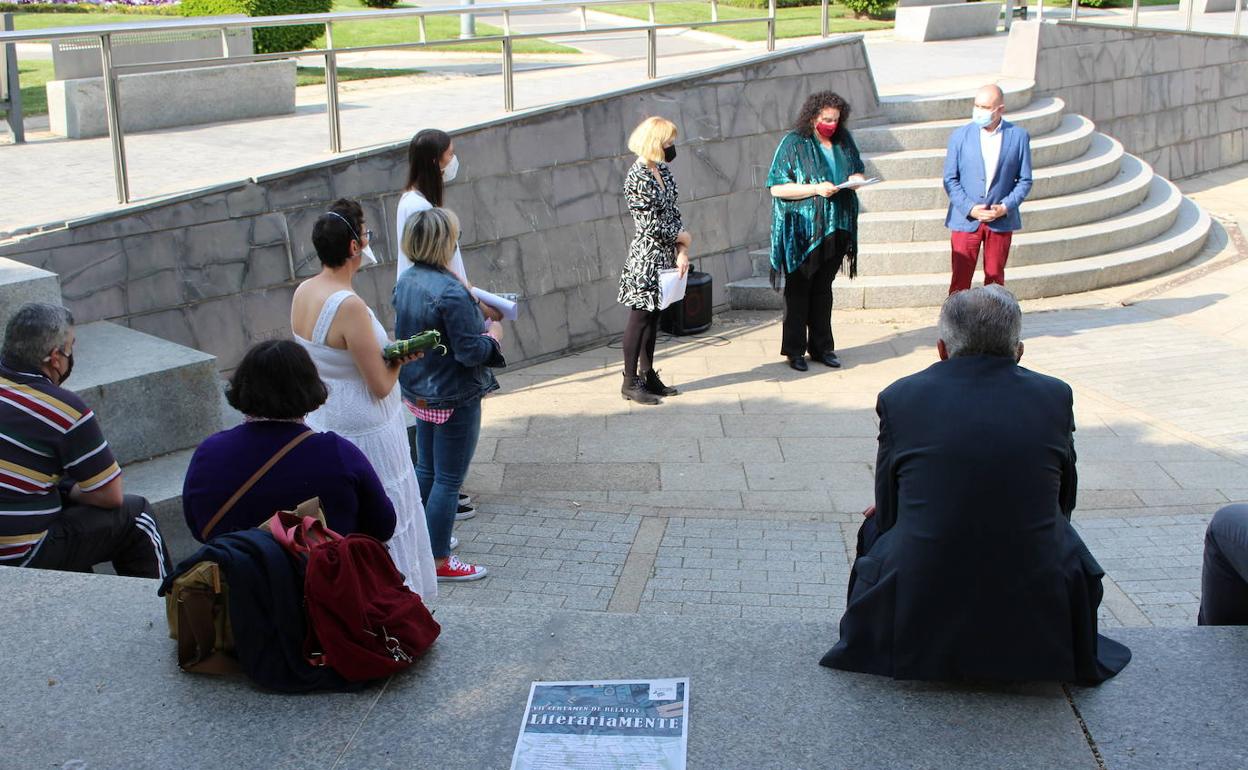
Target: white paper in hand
(503, 304)
(854, 184)
(671, 286)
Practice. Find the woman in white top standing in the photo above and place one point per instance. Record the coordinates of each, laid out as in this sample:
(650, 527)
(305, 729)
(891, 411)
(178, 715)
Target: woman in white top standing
(345, 340)
(431, 164)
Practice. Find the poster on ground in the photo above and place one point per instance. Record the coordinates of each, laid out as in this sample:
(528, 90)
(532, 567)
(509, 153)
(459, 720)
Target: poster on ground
(628, 724)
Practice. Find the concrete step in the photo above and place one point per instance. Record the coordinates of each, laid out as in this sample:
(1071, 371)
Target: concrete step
(1031, 247)
(1119, 194)
(1070, 140)
(21, 283)
(955, 105)
(1039, 118)
(152, 396)
(1179, 243)
(1095, 167)
(160, 481)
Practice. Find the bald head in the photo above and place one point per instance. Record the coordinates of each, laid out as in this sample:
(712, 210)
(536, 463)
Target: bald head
(990, 95)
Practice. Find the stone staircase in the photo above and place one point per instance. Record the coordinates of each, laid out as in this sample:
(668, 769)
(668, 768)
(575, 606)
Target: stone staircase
(1097, 216)
(155, 400)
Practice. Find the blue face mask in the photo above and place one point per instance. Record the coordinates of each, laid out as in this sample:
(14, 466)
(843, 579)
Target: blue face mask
(981, 117)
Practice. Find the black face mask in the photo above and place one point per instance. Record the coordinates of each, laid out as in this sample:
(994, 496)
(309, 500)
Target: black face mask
(669, 154)
(69, 370)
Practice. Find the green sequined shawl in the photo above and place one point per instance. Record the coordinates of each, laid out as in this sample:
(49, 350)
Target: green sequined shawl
(798, 227)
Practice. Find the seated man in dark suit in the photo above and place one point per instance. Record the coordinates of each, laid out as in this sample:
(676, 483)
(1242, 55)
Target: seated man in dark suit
(968, 566)
(1224, 579)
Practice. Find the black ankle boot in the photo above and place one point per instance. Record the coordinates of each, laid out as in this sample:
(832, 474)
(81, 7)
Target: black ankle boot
(656, 386)
(634, 389)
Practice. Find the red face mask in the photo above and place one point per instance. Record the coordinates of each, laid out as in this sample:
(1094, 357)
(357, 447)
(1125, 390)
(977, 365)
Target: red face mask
(826, 130)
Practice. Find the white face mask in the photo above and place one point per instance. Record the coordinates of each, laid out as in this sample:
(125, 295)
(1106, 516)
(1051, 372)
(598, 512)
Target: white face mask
(367, 257)
(452, 168)
(981, 117)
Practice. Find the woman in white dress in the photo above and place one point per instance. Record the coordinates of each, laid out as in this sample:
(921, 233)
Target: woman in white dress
(345, 340)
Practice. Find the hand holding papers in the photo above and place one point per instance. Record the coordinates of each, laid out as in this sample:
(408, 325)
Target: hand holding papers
(671, 286)
(504, 303)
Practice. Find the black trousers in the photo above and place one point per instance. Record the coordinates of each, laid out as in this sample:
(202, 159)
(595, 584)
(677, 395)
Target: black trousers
(83, 536)
(1224, 578)
(808, 300)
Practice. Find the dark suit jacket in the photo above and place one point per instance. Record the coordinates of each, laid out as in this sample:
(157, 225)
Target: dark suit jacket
(977, 572)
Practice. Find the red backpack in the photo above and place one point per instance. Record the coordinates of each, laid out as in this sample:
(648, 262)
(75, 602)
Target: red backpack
(363, 621)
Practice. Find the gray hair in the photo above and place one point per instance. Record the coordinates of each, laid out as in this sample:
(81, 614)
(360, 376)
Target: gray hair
(33, 332)
(984, 321)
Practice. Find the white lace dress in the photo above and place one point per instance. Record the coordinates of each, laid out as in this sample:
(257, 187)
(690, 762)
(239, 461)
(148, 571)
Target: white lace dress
(377, 427)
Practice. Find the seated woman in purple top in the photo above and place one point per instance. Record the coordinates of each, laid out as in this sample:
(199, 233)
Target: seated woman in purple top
(274, 387)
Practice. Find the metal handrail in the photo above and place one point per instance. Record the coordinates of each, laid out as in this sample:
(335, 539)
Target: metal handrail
(106, 32)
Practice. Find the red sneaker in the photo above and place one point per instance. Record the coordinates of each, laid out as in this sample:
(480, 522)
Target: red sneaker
(458, 571)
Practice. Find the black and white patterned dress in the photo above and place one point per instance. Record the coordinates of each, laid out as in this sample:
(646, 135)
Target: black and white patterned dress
(656, 220)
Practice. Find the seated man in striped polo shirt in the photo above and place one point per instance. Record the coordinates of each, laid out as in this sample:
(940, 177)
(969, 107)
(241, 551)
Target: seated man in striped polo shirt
(61, 502)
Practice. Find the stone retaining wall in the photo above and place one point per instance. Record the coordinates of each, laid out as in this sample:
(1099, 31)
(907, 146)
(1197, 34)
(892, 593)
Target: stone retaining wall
(1179, 100)
(539, 196)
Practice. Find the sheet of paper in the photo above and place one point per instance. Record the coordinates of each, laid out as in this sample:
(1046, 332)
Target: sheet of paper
(503, 303)
(630, 724)
(854, 184)
(671, 286)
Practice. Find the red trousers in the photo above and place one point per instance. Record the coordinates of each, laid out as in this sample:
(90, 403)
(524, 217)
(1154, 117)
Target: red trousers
(966, 255)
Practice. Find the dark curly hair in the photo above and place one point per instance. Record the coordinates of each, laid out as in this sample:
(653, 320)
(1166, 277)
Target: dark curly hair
(816, 103)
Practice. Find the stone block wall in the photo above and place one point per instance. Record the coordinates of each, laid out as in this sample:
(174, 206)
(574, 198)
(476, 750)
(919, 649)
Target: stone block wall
(539, 196)
(1179, 100)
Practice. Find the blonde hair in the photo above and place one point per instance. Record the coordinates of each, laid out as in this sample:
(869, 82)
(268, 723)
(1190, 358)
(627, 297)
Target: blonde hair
(650, 136)
(429, 236)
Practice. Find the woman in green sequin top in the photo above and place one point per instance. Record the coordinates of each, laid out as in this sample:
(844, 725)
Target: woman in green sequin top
(814, 224)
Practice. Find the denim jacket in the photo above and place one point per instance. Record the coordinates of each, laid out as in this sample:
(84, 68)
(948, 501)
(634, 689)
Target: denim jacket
(427, 297)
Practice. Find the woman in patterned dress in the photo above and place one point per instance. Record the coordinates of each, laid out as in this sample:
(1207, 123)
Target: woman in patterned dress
(659, 242)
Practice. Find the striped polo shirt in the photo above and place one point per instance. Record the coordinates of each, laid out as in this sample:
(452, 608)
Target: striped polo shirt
(46, 433)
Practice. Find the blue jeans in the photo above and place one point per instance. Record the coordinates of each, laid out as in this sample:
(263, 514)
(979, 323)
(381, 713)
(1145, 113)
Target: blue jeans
(443, 453)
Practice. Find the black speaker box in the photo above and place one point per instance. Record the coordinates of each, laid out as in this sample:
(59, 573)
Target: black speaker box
(691, 315)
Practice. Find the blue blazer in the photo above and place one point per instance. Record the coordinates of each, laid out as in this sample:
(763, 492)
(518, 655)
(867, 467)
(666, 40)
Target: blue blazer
(964, 178)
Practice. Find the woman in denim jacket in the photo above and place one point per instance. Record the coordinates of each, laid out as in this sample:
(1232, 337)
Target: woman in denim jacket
(443, 391)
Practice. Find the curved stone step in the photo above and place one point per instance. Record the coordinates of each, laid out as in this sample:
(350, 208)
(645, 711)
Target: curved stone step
(955, 105)
(1032, 247)
(1119, 194)
(1182, 241)
(1095, 167)
(1069, 141)
(1039, 118)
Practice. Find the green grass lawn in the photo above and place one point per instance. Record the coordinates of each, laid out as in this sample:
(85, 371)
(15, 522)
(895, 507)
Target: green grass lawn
(790, 22)
(353, 33)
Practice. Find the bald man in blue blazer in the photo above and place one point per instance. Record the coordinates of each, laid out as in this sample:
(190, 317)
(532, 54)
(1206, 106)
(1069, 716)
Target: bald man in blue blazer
(987, 177)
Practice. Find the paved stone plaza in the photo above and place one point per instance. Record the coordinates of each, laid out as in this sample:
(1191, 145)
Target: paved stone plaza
(740, 497)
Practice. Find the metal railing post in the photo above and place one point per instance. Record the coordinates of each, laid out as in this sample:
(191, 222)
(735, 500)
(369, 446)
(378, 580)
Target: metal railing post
(467, 23)
(1039, 10)
(823, 19)
(771, 25)
(584, 19)
(1239, 6)
(714, 10)
(1135, 14)
(11, 85)
(1187, 25)
(331, 91)
(1074, 10)
(225, 43)
(509, 85)
(113, 106)
(652, 48)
